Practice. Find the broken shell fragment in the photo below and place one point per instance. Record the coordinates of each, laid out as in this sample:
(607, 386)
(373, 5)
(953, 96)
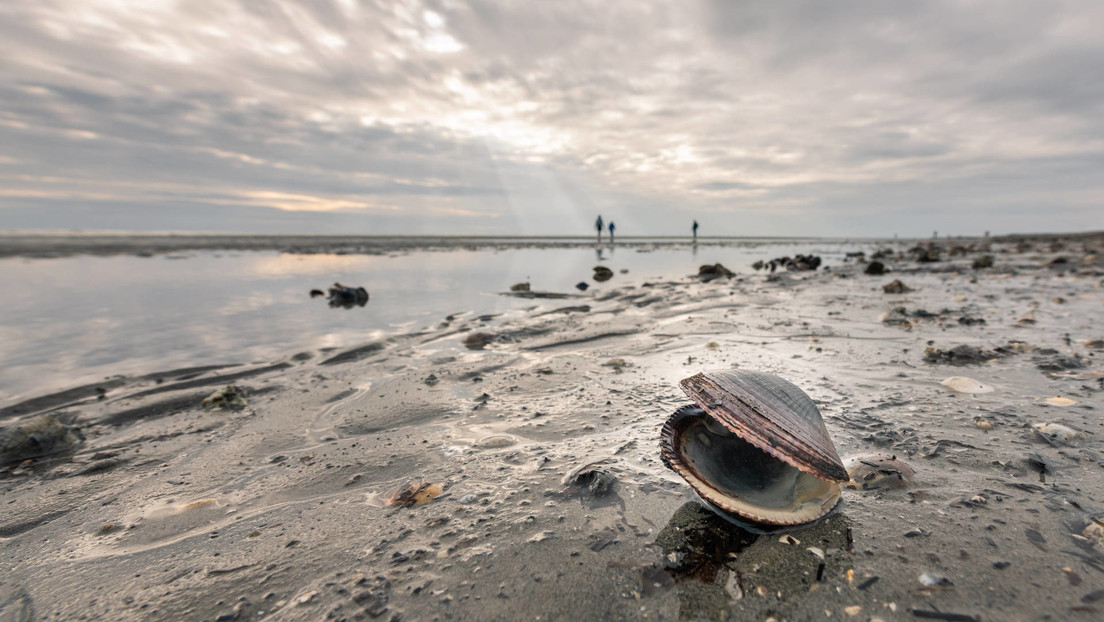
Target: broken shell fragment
(878, 471)
(755, 446)
(229, 397)
(930, 579)
(1094, 532)
(595, 478)
(1057, 431)
(1060, 401)
(414, 493)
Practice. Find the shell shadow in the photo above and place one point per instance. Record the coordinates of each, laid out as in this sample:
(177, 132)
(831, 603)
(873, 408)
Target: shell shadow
(707, 559)
(699, 550)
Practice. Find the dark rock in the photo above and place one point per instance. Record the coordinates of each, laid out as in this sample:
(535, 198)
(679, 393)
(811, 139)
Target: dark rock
(37, 437)
(971, 321)
(602, 274)
(709, 272)
(520, 287)
(582, 286)
(796, 263)
(1059, 362)
(477, 341)
(803, 262)
(984, 261)
(875, 268)
(925, 253)
(315, 293)
(895, 287)
(347, 297)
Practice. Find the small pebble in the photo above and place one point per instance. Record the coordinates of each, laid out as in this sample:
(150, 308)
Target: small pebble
(930, 579)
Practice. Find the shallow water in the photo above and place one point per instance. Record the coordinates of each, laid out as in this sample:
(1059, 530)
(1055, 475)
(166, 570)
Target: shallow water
(78, 319)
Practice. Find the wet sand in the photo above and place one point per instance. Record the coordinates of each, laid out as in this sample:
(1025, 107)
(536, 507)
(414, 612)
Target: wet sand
(154, 507)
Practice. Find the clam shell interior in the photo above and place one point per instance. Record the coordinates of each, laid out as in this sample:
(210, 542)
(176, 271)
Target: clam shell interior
(738, 477)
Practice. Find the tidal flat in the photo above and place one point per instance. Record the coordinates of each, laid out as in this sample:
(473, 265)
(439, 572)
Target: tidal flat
(290, 505)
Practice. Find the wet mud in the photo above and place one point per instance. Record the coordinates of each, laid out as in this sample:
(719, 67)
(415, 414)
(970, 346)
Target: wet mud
(534, 485)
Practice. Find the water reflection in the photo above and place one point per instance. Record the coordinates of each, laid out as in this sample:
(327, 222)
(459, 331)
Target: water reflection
(74, 320)
(283, 265)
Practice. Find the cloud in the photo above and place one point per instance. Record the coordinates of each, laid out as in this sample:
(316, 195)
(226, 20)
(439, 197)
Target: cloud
(513, 117)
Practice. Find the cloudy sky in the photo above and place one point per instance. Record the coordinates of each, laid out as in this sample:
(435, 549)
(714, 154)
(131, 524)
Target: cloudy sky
(813, 117)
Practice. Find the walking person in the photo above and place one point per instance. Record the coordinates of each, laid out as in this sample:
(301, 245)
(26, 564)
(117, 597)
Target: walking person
(695, 231)
(611, 231)
(598, 226)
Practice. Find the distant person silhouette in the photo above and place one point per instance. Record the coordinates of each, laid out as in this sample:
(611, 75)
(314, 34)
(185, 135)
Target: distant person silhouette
(695, 231)
(598, 226)
(611, 230)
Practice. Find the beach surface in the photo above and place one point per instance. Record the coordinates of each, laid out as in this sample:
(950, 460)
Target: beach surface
(134, 501)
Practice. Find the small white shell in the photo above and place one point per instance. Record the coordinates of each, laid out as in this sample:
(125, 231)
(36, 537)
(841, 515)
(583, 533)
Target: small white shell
(1058, 431)
(1094, 532)
(1058, 400)
(963, 384)
(878, 471)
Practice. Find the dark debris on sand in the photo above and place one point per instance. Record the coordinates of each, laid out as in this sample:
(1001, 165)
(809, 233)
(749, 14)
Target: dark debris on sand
(960, 355)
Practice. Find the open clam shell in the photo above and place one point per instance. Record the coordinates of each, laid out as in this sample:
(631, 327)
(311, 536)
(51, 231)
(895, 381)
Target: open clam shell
(755, 446)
